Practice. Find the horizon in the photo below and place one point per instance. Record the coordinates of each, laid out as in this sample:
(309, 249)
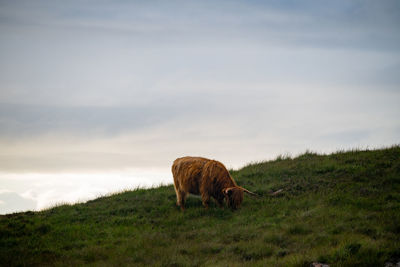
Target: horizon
(124, 88)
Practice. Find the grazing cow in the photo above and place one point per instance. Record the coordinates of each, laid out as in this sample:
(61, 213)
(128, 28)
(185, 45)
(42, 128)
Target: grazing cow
(207, 178)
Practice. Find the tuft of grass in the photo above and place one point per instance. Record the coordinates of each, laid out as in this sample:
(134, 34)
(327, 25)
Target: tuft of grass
(342, 209)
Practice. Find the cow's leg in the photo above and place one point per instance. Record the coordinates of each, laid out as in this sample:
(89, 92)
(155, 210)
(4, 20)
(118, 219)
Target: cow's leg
(176, 186)
(181, 199)
(205, 199)
(220, 202)
(177, 196)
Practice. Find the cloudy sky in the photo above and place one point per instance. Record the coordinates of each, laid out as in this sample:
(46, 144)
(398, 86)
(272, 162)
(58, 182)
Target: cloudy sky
(97, 96)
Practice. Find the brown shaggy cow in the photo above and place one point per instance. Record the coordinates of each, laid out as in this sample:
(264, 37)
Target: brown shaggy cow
(207, 178)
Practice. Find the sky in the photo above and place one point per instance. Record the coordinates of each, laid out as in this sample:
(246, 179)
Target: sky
(101, 96)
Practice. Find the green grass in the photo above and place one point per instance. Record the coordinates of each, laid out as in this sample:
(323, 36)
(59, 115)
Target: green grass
(342, 209)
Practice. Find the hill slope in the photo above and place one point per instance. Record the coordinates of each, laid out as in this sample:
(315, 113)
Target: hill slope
(342, 209)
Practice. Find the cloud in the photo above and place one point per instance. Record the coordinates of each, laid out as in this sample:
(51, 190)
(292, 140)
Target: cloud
(122, 53)
(26, 120)
(12, 202)
(236, 133)
(311, 23)
(37, 191)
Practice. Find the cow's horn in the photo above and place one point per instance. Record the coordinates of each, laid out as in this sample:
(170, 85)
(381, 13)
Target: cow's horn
(249, 192)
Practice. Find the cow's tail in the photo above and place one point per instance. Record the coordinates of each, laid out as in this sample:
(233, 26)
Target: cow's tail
(175, 172)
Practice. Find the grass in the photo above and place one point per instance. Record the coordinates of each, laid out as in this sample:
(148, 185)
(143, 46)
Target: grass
(342, 209)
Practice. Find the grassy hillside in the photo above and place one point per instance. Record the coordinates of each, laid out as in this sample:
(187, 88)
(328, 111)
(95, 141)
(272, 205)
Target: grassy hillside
(342, 209)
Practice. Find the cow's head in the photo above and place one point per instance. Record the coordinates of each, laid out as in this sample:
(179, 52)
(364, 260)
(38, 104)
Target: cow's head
(234, 196)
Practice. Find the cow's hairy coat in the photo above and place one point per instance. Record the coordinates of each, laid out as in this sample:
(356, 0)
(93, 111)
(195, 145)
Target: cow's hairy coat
(207, 178)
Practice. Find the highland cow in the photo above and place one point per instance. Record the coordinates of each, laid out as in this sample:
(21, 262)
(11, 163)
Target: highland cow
(207, 178)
